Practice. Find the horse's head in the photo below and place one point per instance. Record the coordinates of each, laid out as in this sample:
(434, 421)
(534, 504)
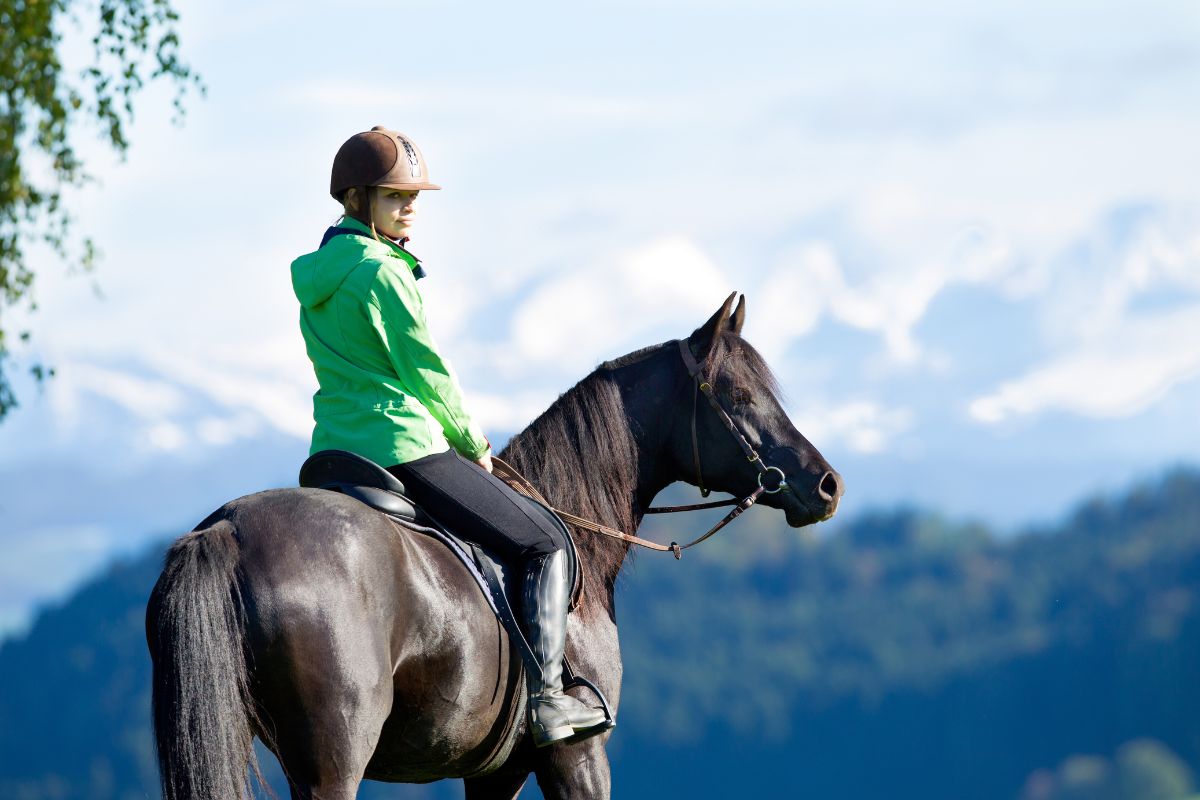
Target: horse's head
(743, 386)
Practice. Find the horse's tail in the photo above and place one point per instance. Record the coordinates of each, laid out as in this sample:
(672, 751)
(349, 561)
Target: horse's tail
(202, 707)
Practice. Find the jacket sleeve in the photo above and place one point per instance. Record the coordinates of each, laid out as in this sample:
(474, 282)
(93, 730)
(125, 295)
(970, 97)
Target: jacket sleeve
(399, 317)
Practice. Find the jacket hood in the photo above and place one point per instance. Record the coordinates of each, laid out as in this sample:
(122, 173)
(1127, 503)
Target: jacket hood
(317, 275)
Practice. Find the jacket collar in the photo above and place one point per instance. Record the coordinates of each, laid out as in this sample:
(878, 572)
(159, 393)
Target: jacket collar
(350, 224)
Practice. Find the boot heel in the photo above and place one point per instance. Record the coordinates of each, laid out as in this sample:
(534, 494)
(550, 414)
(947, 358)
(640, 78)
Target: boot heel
(547, 737)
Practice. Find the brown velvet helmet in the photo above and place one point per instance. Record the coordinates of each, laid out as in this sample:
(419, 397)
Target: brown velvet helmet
(379, 157)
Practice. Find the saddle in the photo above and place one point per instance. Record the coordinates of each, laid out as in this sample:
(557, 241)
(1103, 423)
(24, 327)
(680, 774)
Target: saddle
(364, 480)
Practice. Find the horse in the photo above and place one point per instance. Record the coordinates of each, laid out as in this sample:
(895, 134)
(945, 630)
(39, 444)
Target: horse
(356, 648)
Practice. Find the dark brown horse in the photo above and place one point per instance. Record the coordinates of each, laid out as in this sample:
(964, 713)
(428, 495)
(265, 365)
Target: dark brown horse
(355, 648)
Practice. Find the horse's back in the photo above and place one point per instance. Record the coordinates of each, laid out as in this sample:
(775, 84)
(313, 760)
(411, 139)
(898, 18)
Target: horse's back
(353, 620)
(312, 552)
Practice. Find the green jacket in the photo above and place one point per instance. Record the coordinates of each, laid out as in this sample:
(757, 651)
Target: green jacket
(385, 392)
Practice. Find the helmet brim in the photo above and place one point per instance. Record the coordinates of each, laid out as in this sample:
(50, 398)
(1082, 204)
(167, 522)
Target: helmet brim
(410, 187)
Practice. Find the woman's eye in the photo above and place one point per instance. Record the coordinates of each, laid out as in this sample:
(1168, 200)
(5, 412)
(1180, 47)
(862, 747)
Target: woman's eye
(740, 396)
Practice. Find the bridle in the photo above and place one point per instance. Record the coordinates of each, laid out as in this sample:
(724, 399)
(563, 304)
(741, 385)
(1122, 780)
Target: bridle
(704, 387)
(506, 472)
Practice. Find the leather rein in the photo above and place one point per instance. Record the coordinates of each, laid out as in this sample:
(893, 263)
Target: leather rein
(509, 475)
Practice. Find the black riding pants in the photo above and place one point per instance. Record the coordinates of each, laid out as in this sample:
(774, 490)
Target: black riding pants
(478, 506)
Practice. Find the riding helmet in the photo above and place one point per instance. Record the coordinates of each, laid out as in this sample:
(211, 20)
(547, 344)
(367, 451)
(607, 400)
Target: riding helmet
(379, 157)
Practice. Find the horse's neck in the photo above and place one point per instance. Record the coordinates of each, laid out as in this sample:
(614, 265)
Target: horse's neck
(649, 410)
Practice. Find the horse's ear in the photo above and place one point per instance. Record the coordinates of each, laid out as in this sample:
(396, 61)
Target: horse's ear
(738, 318)
(703, 337)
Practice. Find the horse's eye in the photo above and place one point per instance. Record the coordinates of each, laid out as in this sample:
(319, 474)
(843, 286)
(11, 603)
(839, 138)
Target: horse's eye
(740, 396)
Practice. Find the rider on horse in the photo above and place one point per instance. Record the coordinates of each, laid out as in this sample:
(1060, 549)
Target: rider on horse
(386, 393)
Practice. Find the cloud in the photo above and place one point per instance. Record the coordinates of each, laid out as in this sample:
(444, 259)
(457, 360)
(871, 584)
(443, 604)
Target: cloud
(145, 397)
(274, 393)
(668, 285)
(514, 112)
(862, 426)
(1136, 251)
(508, 413)
(665, 287)
(809, 283)
(1122, 308)
(158, 403)
(671, 283)
(1117, 374)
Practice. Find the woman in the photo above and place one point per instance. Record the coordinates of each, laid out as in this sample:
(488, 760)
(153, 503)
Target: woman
(388, 395)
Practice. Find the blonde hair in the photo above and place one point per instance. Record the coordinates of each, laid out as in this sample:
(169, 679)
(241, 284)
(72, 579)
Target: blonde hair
(365, 193)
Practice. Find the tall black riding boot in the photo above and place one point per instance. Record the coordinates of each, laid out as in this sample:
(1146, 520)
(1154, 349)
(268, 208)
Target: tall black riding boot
(553, 714)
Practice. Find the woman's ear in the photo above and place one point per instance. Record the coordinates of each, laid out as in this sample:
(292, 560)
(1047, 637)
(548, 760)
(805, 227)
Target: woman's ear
(351, 200)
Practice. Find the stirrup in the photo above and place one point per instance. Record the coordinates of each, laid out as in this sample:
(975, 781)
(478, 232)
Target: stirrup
(607, 725)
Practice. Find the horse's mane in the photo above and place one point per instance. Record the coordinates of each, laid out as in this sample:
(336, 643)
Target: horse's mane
(582, 456)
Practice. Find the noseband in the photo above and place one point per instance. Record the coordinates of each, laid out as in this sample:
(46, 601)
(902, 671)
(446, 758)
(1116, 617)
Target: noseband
(518, 481)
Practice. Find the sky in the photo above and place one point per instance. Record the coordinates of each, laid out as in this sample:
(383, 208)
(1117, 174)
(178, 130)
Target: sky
(968, 235)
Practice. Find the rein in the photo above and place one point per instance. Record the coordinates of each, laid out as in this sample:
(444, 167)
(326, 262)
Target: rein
(509, 475)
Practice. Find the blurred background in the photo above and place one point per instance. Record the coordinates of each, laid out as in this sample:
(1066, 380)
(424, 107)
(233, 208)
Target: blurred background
(969, 238)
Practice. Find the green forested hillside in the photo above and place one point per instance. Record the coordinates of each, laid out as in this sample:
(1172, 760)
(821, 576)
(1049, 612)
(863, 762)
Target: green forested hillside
(908, 656)
(908, 601)
(903, 656)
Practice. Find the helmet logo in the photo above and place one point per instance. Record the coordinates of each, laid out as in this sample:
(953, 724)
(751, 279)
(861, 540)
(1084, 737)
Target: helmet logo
(413, 163)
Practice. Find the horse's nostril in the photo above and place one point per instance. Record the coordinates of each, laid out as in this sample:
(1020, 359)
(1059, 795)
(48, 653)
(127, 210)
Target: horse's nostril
(829, 487)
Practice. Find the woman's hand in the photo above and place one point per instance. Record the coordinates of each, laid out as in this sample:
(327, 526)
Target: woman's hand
(485, 462)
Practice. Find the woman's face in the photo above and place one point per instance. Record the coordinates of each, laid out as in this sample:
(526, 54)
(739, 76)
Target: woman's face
(392, 211)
